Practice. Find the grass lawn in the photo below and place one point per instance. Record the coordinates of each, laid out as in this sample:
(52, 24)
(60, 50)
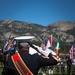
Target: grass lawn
(0, 70)
(47, 72)
(38, 74)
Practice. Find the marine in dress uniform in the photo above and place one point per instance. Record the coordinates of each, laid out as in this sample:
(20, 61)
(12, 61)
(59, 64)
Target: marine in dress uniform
(34, 62)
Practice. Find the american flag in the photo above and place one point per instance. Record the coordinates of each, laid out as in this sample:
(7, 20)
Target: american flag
(43, 44)
(72, 51)
(49, 42)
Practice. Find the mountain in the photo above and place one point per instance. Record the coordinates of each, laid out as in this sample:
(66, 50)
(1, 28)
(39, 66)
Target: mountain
(65, 29)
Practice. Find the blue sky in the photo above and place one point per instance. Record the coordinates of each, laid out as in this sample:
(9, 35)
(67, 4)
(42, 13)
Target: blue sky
(42, 12)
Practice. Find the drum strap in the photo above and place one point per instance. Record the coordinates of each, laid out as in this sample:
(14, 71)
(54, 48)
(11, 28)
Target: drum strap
(20, 65)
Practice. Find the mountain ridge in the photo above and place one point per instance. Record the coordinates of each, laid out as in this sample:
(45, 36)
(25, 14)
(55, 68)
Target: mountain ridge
(65, 29)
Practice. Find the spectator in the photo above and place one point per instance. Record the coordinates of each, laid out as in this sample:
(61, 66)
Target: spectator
(69, 63)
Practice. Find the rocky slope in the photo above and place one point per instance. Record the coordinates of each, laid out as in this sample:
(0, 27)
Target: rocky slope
(64, 29)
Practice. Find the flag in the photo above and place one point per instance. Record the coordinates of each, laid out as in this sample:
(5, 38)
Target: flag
(43, 44)
(8, 45)
(49, 42)
(58, 46)
(13, 47)
(72, 51)
(5, 46)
